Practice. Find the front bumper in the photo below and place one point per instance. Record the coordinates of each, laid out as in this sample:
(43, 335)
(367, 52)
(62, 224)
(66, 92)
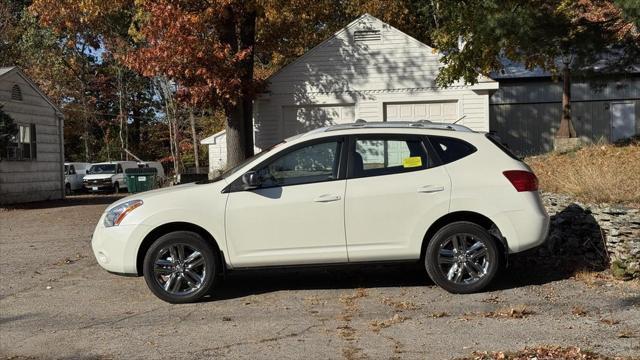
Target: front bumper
(116, 247)
(98, 185)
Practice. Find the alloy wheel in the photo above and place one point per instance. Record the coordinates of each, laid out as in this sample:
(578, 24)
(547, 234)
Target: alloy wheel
(180, 269)
(463, 259)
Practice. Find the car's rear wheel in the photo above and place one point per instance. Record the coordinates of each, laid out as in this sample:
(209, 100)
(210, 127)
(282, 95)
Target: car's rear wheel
(462, 257)
(180, 267)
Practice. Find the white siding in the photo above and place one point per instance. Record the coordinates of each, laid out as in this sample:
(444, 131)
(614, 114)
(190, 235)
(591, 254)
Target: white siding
(32, 180)
(368, 75)
(218, 154)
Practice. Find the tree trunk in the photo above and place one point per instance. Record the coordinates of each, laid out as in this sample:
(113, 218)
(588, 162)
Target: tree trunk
(235, 136)
(194, 137)
(248, 41)
(566, 129)
(120, 111)
(85, 124)
(239, 127)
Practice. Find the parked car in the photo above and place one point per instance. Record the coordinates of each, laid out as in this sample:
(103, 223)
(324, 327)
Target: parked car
(446, 196)
(107, 176)
(73, 174)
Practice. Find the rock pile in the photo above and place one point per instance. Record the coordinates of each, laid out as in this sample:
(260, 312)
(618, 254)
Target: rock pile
(592, 235)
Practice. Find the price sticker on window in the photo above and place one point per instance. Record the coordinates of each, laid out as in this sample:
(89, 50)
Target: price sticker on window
(411, 162)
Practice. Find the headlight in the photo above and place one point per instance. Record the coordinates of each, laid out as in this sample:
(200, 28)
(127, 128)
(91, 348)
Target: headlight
(117, 214)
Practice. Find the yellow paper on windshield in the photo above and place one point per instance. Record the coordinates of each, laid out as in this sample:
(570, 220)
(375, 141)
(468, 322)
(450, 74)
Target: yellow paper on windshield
(415, 161)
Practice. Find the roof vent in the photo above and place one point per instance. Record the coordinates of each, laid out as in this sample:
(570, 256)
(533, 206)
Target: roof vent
(369, 35)
(16, 93)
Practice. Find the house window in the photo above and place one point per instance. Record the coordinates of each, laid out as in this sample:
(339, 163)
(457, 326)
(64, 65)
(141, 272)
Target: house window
(16, 93)
(23, 144)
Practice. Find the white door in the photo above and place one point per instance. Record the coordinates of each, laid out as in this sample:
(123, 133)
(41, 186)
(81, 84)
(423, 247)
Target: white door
(296, 216)
(443, 111)
(393, 194)
(623, 120)
(300, 119)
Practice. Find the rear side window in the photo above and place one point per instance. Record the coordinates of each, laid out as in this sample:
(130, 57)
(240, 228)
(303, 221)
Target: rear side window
(450, 149)
(386, 155)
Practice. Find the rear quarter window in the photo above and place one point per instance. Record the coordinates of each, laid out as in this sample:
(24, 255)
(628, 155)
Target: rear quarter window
(451, 149)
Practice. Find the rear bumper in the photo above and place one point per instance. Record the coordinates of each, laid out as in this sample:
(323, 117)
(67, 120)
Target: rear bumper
(524, 229)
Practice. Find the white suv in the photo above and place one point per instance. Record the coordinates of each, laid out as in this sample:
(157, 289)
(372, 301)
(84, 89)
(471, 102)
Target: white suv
(449, 197)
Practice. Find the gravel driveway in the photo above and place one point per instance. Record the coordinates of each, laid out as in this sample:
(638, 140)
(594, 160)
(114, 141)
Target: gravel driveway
(56, 302)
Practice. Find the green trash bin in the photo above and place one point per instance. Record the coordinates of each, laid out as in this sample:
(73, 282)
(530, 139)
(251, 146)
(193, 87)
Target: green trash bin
(141, 179)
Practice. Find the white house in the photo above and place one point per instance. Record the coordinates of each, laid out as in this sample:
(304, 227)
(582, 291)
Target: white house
(32, 169)
(368, 70)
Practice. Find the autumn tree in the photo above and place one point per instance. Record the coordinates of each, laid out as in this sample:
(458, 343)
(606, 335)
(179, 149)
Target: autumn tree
(554, 35)
(217, 52)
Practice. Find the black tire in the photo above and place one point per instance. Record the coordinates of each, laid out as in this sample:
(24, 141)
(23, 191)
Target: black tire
(116, 188)
(67, 189)
(187, 239)
(443, 243)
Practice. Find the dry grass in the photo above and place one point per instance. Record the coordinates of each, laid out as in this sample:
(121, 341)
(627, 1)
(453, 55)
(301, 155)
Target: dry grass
(596, 173)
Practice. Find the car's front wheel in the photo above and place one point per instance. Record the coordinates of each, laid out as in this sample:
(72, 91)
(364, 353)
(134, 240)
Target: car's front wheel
(180, 267)
(462, 257)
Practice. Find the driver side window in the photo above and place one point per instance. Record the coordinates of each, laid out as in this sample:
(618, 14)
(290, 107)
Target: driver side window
(309, 164)
(119, 169)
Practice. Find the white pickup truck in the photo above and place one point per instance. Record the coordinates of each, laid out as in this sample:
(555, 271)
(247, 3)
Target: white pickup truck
(107, 176)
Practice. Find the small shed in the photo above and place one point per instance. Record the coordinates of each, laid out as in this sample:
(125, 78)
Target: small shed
(217, 146)
(32, 169)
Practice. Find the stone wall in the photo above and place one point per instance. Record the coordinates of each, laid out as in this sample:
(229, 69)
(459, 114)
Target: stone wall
(595, 236)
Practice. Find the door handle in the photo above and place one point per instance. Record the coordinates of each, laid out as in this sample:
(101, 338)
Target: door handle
(327, 198)
(430, 188)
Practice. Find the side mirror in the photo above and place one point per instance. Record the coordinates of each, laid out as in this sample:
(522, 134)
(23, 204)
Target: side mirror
(251, 180)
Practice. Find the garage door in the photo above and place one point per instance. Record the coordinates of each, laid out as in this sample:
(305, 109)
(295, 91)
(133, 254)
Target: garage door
(299, 119)
(446, 111)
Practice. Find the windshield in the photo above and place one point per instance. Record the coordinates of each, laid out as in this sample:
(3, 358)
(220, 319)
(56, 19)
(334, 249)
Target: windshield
(235, 169)
(102, 169)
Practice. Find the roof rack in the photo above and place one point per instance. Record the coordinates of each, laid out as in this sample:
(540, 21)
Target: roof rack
(422, 124)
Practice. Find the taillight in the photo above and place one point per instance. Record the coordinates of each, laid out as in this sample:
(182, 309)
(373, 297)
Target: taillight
(522, 180)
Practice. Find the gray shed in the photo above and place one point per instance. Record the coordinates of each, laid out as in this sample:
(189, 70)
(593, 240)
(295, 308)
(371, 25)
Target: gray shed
(525, 111)
(33, 167)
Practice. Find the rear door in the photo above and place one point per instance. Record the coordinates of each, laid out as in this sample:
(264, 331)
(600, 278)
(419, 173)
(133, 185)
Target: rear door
(394, 193)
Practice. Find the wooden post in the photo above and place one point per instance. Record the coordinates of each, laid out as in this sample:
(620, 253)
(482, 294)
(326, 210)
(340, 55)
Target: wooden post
(566, 129)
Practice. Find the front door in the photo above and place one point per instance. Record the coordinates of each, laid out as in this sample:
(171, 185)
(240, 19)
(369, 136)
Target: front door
(623, 120)
(394, 193)
(296, 216)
